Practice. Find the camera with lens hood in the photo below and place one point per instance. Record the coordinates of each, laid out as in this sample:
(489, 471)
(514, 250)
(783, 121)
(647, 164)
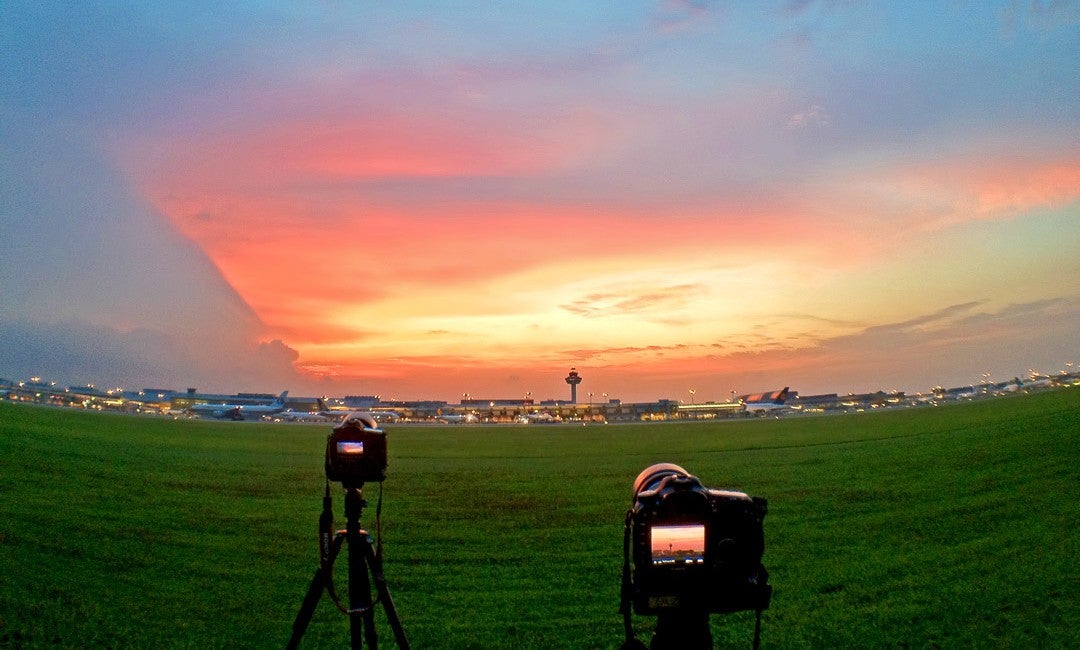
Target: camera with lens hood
(694, 548)
(356, 451)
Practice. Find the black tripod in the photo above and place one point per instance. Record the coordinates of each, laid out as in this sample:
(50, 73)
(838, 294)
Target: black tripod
(362, 557)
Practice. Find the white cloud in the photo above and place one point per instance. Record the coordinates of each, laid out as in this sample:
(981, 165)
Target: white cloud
(813, 116)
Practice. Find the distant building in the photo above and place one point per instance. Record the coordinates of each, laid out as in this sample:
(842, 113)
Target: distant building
(474, 402)
(818, 402)
(360, 401)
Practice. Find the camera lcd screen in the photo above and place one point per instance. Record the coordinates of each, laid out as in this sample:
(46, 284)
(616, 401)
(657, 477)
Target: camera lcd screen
(678, 545)
(350, 447)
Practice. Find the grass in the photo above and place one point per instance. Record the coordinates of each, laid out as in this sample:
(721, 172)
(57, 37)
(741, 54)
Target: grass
(947, 527)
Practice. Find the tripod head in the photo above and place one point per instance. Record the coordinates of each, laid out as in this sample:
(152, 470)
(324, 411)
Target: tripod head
(355, 502)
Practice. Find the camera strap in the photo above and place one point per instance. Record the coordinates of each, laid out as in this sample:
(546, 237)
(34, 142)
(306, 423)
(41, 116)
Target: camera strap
(624, 605)
(326, 530)
(378, 525)
(326, 546)
(330, 543)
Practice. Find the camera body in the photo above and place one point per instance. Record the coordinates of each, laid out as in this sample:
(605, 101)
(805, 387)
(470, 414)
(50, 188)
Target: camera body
(356, 451)
(695, 548)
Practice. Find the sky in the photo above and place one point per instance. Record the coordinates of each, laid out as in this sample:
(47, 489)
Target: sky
(681, 199)
(677, 538)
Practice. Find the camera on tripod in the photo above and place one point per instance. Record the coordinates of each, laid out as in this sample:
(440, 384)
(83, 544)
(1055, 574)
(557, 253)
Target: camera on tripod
(356, 451)
(695, 551)
(355, 454)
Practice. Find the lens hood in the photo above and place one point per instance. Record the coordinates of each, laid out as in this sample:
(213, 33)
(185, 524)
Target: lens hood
(653, 474)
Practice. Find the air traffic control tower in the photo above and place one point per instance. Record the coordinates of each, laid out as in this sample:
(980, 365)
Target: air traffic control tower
(573, 379)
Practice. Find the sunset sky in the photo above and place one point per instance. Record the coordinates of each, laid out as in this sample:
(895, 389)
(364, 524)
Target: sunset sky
(419, 200)
(665, 539)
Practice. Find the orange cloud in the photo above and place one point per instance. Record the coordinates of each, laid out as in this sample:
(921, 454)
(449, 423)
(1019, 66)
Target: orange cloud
(359, 287)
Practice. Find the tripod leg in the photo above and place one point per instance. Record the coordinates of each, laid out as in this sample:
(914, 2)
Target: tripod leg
(384, 595)
(311, 600)
(299, 626)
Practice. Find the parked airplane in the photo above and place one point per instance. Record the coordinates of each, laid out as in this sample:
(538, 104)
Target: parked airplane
(290, 415)
(239, 411)
(458, 419)
(218, 411)
(763, 403)
(386, 416)
(536, 418)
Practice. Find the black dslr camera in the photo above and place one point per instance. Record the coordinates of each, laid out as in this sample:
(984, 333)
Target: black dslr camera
(356, 451)
(695, 551)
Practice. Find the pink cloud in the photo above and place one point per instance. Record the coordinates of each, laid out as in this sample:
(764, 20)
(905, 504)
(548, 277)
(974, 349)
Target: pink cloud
(988, 188)
(1013, 188)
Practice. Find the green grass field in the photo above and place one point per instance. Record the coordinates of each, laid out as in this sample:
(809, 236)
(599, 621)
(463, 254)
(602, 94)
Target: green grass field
(947, 527)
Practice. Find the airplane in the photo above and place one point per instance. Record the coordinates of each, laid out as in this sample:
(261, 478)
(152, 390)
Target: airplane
(239, 411)
(386, 416)
(290, 415)
(764, 403)
(458, 419)
(536, 418)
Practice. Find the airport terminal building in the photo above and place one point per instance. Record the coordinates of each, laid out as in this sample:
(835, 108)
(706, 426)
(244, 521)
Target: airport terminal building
(507, 411)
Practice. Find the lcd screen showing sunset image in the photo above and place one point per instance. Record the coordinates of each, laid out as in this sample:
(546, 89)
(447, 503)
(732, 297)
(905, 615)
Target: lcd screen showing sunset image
(351, 447)
(678, 544)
